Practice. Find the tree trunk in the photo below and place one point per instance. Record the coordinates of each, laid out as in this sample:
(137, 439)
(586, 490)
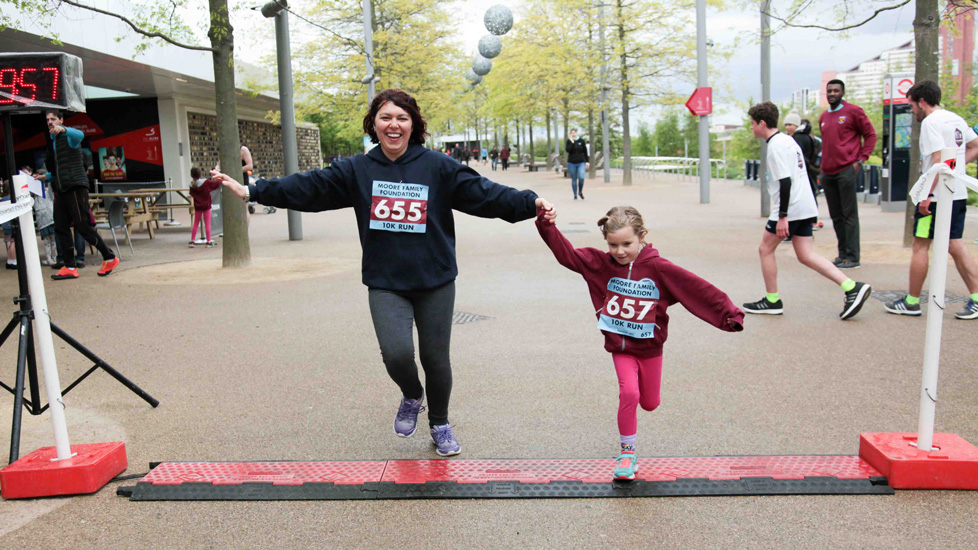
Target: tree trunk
(591, 148)
(626, 166)
(236, 250)
(533, 157)
(550, 143)
(519, 132)
(926, 66)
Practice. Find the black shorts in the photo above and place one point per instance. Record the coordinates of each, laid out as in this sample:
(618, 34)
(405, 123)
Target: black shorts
(797, 228)
(923, 226)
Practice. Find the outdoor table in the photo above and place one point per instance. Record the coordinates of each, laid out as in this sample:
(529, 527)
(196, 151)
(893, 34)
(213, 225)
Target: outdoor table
(143, 205)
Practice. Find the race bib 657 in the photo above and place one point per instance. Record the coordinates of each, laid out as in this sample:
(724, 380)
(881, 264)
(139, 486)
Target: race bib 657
(629, 308)
(400, 207)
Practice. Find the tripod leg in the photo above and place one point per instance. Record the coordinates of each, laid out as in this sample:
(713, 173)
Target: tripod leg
(104, 366)
(35, 400)
(9, 328)
(25, 324)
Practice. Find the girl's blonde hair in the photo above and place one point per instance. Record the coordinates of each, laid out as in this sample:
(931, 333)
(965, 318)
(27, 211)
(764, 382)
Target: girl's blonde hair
(620, 217)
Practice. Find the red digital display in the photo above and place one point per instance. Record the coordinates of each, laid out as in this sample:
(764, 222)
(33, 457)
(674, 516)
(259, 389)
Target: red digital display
(31, 80)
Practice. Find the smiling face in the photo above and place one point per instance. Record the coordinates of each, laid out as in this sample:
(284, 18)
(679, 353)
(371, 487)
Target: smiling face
(573, 135)
(393, 126)
(624, 245)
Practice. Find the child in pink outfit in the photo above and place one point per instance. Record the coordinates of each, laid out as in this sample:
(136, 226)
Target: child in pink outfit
(200, 190)
(631, 286)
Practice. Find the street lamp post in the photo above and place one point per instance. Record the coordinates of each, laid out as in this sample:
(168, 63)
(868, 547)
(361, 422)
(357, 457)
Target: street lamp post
(278, 9)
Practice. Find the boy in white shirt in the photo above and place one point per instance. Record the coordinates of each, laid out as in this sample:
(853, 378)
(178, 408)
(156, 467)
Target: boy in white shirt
(939, 129)
(793, 211)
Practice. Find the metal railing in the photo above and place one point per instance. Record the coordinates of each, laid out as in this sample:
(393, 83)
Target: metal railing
(688, 168)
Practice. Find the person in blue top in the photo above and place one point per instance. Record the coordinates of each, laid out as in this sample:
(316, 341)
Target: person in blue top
(69, 180)
(403, 196)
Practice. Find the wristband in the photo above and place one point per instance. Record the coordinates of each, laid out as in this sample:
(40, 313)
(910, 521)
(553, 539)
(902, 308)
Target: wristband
(247, 197)
(930, 196)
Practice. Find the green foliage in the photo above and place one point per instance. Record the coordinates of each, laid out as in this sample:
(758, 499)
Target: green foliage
(414, 50)
(668, 137)
(644, 144)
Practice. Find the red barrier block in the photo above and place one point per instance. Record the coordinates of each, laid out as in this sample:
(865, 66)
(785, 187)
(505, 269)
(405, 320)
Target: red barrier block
(38, 475)
(952, 465)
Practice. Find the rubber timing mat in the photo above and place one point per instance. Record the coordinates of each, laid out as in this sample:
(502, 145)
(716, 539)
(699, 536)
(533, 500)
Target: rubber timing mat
(559, 478)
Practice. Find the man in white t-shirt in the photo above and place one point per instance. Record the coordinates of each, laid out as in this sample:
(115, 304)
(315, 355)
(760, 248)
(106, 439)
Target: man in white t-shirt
(793, 211)
(939, 129)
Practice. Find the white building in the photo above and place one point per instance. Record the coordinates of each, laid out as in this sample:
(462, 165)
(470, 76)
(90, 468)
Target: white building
(864, 82)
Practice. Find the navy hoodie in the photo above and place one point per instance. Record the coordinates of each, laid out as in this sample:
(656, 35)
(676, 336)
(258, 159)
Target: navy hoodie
(403, 208)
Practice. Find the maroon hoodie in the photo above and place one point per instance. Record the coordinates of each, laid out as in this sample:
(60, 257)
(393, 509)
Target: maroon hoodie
(202, 194)
(630, 301)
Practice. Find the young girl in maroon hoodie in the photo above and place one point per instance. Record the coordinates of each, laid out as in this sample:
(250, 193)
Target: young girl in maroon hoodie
(200, 190)
(631, 286)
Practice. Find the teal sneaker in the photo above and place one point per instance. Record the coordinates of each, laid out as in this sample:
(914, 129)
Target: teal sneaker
(627, 466)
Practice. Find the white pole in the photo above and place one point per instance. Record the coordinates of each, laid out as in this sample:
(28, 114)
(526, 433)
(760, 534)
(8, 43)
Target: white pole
(42, 324)
(935, 308)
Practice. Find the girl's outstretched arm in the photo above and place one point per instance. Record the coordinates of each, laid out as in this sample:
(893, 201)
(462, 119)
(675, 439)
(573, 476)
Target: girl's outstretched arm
(574, 259)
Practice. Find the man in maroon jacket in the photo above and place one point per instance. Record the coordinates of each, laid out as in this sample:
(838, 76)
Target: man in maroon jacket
(848, 138)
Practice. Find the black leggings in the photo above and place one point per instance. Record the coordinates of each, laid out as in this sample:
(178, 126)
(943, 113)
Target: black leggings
(71, 208)
(393, 314)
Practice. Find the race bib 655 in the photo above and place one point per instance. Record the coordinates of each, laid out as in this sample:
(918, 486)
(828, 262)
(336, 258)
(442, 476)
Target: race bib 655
(629, 308)
(400, 207)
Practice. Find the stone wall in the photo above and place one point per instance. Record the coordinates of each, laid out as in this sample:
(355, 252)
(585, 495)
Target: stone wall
(263, 139)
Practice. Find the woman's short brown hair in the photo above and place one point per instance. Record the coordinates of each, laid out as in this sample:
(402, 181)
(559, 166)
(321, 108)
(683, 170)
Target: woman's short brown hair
(419, 129)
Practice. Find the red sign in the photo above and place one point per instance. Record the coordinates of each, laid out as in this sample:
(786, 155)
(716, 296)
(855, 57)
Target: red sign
(895, 90)
(701, 102)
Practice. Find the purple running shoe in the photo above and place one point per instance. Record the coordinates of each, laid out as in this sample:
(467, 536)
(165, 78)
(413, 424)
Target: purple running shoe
(445, 440)
(406, 421)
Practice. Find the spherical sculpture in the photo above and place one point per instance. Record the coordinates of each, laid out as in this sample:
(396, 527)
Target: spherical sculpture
(481, 66)
(499, 19)
(472, 77)
(490, 45)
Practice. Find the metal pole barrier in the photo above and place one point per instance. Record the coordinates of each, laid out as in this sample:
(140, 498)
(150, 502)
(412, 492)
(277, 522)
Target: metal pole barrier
(765, 96)
(289, 145)
(935, 308)
(704, 129)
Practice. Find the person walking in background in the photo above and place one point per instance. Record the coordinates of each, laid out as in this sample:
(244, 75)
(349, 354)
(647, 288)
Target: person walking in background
(494, 155)
(939, 129)
(848, 139)
(576, 163)
(792, 213)
(504, 157)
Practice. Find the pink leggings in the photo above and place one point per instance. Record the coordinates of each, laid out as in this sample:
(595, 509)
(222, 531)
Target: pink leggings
(206, 215)
(638, 384)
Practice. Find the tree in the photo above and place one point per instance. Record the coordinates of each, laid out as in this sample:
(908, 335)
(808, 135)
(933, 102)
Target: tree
(668, 138)
(160, 20)
(414, 49)
(648, 61)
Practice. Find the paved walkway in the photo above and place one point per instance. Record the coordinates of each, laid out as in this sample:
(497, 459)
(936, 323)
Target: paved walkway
(279, 362)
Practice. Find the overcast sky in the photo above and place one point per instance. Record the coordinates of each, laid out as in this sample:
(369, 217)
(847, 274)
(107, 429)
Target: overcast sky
(798, 56)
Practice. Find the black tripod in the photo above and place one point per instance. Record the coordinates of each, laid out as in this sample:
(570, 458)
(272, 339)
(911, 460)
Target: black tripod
(26, 361)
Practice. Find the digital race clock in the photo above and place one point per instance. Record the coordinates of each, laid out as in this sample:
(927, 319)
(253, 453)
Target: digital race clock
(34, 81)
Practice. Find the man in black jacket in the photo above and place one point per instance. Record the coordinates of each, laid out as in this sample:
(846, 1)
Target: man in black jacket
(69, 180)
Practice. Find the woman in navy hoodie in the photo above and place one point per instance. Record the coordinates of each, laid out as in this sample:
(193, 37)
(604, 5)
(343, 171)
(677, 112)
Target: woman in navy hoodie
(631, 286)
(403, 195)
